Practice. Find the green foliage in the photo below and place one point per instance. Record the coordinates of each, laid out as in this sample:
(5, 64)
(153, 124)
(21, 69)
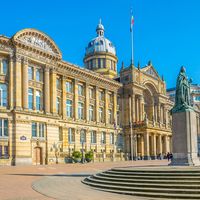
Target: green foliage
(76, 154)
(89, 156)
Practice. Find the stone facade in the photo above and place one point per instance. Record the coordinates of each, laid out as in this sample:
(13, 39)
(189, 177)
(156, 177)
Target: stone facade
(50, 108)
(39, 83)
(146, 111)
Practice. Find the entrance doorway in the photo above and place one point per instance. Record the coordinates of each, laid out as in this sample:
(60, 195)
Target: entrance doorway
(37, 160)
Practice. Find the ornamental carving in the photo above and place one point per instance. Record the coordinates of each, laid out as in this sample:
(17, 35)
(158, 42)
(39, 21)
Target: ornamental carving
(37, 42)
(37, 39)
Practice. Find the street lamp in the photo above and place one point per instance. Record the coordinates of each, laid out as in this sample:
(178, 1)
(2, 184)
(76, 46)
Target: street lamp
(82, 142)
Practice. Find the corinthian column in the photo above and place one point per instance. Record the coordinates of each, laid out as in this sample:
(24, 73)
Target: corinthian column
(64, 97)
(11, 82)
(25, 84)
(17, 83)
(46, 90)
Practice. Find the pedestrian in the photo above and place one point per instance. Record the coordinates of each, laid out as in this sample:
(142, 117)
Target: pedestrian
(171, 156)
(168, 156)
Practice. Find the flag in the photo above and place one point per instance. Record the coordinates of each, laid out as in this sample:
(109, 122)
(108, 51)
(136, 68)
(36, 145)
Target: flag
(132, 21)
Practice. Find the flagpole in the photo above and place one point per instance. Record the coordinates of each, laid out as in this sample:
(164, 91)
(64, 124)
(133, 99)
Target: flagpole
(132, 59)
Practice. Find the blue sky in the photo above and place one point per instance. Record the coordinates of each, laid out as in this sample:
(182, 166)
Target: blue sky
(167, 32)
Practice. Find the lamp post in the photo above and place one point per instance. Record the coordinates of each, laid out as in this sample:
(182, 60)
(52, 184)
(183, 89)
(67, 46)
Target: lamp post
(82, 141)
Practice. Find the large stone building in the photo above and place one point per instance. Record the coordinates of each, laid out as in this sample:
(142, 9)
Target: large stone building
(146, 110)
(50, 108)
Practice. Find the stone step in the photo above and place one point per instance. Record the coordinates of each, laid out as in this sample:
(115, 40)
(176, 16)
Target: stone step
(152, 173)
(154, 195)
(146, 176)
(158, 170)
(144, 185)
(145, 190)
(164, 181)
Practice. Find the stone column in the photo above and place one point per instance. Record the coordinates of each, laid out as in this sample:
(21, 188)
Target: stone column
(106, 106)
(53, 92)
(165, 145)
(97, 104)
(87, 101)
(64, 97)
(17, 83)
(133, 107)
(153, 143)
(115, 108)
(75, 99)
(159, 117)
(142, 146)
(160, 150)
(25, 84)
(10, 93)
(156, 113)
(46, 90)
(146, 146)
(138, 109)
(141, 106)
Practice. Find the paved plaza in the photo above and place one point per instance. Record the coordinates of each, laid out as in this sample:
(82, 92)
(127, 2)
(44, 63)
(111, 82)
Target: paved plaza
(44, 182)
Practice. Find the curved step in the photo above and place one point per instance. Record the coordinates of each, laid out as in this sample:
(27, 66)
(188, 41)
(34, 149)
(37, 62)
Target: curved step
(153, 195)
(97, 176)
(144, 190)
(146, 176)
(167, 183)
(144, 185)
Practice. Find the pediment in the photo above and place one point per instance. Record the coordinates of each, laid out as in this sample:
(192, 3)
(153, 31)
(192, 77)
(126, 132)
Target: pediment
(37, 39)
(151, 71)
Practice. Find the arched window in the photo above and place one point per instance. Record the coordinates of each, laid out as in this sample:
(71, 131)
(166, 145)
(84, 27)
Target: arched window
(5, 66)
(38, 100)
(30, 98)
(3, 95)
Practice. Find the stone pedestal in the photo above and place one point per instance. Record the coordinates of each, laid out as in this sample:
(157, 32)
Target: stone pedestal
(184, 139)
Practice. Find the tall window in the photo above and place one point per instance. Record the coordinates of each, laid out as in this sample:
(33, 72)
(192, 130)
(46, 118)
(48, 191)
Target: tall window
(71, 136)
(38, 75)
(93, 137)
(69, 108)
(3, 128)
(101, 118)
(38, 129)
(103, 137)
(80, 90)
(110, 116)
(91, 93)
(30, 98)
(58, 105)
(69, 87)
(99, 63)
(111, 138)
(118, 118)
(34, 129)
(3, 95)
(30, 73)
(4, 67)
(41, 130)
(80, 110)
(38, 100)
(91, 113)
(58, 84)
(101, 96)
(83, 136)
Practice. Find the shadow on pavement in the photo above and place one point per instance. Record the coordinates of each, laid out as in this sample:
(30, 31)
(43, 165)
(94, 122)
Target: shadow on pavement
(65, 175)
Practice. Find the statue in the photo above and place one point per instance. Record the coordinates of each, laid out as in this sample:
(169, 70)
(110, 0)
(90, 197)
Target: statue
(182, 99)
